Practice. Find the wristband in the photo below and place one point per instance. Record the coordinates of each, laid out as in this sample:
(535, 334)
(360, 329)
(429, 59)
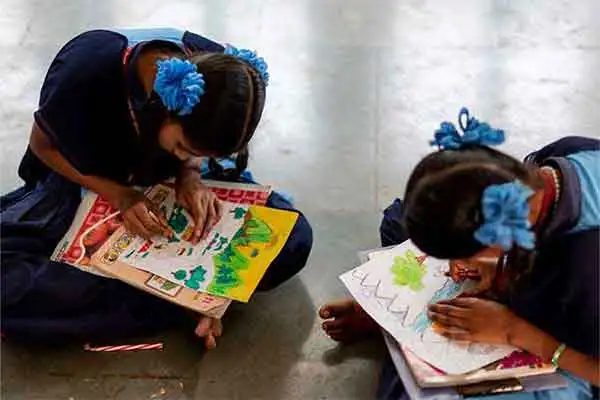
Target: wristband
(557, 353)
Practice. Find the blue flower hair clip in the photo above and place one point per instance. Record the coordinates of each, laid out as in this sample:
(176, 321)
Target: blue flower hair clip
(250, 56)
(178, 84)
(506, 216)
(474, 133)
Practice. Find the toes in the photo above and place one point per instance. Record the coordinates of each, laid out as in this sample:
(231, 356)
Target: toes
(336, 309)
(338, 335)
(203, 327)
(341, 336)
(217, 328)
(210, 342)
(334, 324)
(324, 312)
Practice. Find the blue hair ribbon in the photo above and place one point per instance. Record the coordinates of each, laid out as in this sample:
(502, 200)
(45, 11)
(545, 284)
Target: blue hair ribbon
(178, 84)
(474, 133)
(250, 56)
(505, 210)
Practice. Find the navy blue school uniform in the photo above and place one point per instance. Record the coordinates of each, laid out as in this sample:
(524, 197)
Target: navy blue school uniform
(560, 295)
(84, 109)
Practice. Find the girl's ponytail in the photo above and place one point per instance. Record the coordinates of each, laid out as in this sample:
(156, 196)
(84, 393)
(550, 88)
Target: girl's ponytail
(226, 173)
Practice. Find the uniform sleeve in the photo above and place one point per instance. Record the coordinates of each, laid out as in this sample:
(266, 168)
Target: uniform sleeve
(582, 290)
(196, 42)
(77, 86)
(560, 294)
(563, 147)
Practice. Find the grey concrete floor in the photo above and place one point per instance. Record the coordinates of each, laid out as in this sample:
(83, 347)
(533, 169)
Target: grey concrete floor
(357, 89)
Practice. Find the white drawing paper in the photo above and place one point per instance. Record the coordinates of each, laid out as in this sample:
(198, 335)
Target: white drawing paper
(396, 291)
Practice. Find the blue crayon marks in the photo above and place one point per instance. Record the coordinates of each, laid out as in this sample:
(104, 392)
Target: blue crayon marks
(449, 290)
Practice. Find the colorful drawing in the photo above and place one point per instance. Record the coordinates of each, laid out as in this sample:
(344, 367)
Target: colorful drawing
(229, 263)
(97, 243)
(396, 287)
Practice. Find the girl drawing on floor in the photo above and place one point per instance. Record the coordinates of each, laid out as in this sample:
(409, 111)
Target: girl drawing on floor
(467, 202)
(120, 109)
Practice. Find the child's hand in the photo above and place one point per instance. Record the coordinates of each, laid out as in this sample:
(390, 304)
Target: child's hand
(483, 271)
(201, 203)
(472, 319)
(140, 215)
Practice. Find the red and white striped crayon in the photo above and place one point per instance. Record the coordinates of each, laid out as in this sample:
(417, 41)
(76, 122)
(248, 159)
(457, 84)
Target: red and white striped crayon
(125, 347)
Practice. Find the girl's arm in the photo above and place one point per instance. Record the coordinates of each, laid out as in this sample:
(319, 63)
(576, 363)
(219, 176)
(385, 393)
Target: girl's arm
(135, 209)
(46, 151)
(528, 337)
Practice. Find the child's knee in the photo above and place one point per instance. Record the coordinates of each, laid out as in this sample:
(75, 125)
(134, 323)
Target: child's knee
(302, 239)
(292, 258)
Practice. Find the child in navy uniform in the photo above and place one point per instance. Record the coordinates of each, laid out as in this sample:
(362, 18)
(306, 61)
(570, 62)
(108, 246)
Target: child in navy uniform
(120, 109)
(468, 202)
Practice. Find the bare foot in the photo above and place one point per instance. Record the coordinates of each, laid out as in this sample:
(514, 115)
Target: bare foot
(347, 322)
(209, 329)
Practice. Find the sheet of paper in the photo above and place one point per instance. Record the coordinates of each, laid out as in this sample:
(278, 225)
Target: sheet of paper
(413, 390)
(106, 259)
(395, 288)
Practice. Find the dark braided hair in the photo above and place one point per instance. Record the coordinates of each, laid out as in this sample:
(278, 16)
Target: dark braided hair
(443, 197)
(218, 172)
(225, 119)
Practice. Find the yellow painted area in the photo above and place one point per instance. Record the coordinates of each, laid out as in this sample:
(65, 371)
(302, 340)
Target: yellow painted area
(281, 223)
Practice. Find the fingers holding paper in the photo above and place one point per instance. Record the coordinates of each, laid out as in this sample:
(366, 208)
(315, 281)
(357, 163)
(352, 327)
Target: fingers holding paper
(202, 204)
(141, 217)
(472, 319)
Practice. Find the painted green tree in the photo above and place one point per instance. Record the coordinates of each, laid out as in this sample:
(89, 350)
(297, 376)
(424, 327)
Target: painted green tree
(409, 271)
(231, 260)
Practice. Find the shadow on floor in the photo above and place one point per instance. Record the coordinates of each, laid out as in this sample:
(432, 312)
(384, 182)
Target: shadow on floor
(263, 341)
(70, 372)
